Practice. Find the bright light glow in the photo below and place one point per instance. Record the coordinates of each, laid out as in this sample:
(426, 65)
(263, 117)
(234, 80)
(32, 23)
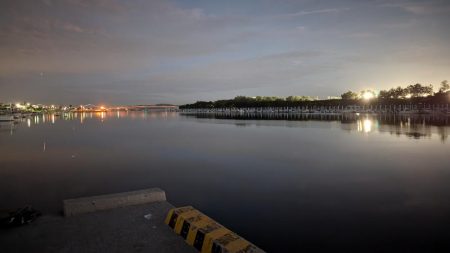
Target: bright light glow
(367, 95)
(408, 96)
(102, 107)
(367, 125)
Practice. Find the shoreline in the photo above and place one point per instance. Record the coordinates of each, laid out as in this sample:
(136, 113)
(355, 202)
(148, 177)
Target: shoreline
(415, 113)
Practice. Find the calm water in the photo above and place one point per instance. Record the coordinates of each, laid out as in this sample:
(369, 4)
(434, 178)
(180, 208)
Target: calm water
(286, 183)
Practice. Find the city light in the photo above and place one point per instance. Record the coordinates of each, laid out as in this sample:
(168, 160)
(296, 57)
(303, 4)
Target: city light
(367, 95)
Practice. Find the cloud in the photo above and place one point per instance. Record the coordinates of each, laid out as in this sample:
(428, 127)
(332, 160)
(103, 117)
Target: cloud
(72, 28)
(130, 50)
(276, 71)
(314, 12)
(92, 36)
(422, 8)
(47, 2)
(105, 5)
(363, 35)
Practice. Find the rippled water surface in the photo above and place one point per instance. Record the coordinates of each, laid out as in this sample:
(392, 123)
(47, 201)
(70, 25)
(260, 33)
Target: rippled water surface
(285, 182)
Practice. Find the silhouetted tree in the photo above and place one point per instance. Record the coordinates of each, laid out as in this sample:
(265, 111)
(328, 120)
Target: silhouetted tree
(444, 87)
(349, 95)
(394, 93)
(399, 92)
(298, 98)
(418, 90)
(385, 94)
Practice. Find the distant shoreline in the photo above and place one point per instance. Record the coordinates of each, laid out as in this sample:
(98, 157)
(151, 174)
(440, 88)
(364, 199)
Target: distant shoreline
(317, 112)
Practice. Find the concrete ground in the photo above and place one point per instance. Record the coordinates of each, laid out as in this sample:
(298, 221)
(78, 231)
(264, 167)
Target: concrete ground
(121, 229)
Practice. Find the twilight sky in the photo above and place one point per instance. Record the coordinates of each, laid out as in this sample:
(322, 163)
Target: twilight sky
(156, 51)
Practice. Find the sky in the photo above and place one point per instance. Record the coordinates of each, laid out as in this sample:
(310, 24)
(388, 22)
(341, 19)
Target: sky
(168, 51)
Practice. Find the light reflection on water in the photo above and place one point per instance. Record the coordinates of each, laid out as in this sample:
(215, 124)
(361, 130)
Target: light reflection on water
(414, 126)
(324, 180)
(364, 125)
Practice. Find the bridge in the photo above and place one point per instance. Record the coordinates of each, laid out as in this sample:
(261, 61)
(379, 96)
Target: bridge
(145, 108)
(152, 107)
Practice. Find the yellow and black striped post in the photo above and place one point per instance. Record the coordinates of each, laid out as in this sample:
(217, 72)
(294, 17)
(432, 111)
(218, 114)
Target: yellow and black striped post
(205, 234)
(173, 214)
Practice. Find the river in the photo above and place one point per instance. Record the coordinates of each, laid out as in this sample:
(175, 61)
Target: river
(362, 183)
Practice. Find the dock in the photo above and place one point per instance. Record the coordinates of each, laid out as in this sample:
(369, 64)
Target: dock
(123, 222)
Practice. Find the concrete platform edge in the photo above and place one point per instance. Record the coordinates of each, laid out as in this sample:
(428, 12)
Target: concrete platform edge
(83, 205)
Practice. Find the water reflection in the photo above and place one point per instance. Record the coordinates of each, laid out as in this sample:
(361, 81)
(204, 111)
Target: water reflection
(33, 120)
(8, 127)
(337, 175)
(414, 126)
(364, 125)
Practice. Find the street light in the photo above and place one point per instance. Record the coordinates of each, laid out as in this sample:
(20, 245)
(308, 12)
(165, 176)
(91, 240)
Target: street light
(367, 95)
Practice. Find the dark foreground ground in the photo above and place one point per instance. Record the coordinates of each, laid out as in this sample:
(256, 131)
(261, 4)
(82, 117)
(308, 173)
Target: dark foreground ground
(122, 229)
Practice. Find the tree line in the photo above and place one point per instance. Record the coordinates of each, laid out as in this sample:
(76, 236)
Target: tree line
(414, 93)
(411, 91)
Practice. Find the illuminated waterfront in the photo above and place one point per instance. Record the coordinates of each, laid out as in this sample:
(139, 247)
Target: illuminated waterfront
(338, 174)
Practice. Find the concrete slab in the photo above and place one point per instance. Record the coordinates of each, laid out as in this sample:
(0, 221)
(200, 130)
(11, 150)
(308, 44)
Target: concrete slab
(109, 201)
(123, 229)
